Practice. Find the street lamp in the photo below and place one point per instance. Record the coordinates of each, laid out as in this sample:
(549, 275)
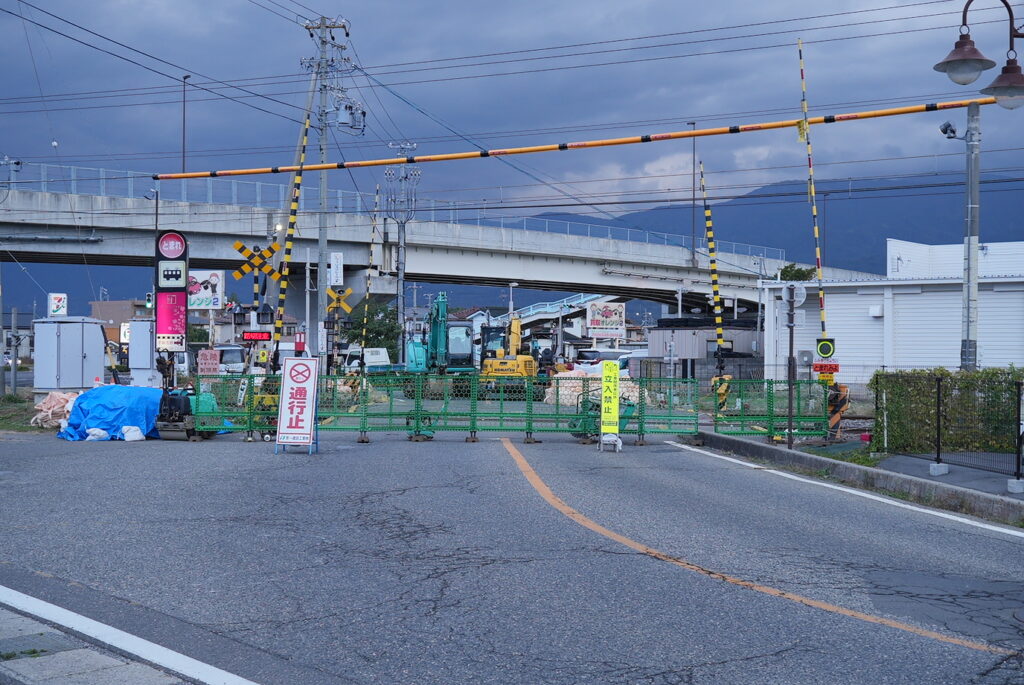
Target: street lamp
(184, 79)
(965, 63)
(511, 285)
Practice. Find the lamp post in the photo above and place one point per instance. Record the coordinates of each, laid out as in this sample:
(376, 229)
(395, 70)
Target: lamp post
(511, 285)
(184, 80)
(964, 65)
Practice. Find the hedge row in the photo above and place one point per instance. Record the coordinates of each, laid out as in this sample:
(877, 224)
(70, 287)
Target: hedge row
(978, 410)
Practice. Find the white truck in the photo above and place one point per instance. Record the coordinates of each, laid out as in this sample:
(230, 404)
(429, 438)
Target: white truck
(377, 360)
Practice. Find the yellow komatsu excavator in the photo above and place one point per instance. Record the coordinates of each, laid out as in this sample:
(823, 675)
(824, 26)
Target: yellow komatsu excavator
(508, 362)
(507, 365)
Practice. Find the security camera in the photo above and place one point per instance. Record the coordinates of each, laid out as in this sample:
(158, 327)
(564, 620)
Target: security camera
(948, 129)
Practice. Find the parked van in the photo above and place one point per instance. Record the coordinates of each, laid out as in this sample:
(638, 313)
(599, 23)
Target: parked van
(232, 358)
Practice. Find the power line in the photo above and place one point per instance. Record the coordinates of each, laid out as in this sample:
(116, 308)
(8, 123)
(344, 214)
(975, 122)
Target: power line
(275, 12)
(658, 35)
(53, 138)
(227, 84)
(657, 45)
(139, 64)
(439, 122)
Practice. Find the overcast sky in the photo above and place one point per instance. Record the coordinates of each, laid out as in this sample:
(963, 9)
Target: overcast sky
(716, 63)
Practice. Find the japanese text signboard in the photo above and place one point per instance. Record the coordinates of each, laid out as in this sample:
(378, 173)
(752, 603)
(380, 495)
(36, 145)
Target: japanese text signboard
(825, 367)
(610, 397)
(171, 321)
(208, 362)
(296, 414)
(204, 289)
(606, 320)
(171, 262)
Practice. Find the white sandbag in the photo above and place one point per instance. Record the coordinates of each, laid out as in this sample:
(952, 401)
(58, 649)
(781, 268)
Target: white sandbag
(96, 434)
(132, 433)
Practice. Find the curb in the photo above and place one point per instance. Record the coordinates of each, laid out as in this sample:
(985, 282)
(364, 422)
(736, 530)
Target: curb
(930, 493)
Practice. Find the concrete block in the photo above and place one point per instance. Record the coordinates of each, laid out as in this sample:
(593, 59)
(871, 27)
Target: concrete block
(46, 643)
(1015, 486)
(13, 625)
(58, 667)
(128, 674)
(938, 469)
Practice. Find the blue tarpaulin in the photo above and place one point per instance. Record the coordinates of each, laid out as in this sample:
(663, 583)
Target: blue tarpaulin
(111, 407)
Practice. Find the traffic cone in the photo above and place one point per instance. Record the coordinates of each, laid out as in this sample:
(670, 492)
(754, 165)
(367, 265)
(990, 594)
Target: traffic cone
(97, 382)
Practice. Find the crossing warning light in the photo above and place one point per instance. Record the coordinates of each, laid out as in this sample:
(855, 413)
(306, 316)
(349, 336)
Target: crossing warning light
(149, 300)
(826, 347)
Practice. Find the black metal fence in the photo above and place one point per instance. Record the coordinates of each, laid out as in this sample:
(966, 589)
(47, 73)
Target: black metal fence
(969, 419)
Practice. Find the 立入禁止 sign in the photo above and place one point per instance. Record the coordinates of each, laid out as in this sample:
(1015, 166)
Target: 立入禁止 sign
(610, 397)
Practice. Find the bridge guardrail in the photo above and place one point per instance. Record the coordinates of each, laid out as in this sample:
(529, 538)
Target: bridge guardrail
(133, 184)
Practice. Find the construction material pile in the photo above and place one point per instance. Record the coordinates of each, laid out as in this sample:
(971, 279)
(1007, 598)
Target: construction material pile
(53, 409)
(566, 388)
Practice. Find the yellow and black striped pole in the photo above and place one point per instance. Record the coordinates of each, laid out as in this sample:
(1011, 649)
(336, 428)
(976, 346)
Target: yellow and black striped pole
(720, 381)
(805, 135)
(293, 213)
(586, 144)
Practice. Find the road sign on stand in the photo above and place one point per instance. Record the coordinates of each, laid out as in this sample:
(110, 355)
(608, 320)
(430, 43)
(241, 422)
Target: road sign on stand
(171, 277)
(296, 413)
(610, 397)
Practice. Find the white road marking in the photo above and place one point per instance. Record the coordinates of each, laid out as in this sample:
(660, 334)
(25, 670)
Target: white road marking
(858, 493)
(144, 649)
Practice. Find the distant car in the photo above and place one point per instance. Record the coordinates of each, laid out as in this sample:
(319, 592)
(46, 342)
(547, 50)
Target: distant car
(592, 367)
(232, 358)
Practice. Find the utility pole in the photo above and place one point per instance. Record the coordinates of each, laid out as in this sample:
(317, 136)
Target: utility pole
(351, 116)
(969, 337)
(414, 288)
(400, 207)
(323, 27)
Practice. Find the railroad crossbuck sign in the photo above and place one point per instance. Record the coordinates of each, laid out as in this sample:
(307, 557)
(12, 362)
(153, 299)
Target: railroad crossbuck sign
(338, 300)
(610, 397)
(257, 261)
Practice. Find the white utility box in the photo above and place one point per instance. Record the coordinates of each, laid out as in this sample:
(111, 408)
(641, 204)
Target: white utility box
(69, 353)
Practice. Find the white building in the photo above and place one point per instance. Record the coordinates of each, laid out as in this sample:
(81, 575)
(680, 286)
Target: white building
(909, 319)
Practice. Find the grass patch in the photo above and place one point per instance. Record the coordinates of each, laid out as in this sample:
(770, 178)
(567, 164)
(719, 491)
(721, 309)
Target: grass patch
(15, 413)
(859, 454)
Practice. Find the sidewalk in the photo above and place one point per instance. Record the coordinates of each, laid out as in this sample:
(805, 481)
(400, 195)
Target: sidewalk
(961, 476)
(35, 653)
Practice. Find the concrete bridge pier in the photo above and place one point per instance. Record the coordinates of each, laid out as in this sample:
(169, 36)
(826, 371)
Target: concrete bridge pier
(383, 288)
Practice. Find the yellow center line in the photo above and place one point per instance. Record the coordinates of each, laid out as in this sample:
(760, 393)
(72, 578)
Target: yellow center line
(555, 501)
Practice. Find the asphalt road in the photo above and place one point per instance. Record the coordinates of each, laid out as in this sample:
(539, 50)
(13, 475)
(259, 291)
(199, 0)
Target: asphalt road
(440, 562)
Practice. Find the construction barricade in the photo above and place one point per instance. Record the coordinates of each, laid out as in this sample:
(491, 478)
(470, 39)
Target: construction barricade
(761, 408)
(423, 405)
